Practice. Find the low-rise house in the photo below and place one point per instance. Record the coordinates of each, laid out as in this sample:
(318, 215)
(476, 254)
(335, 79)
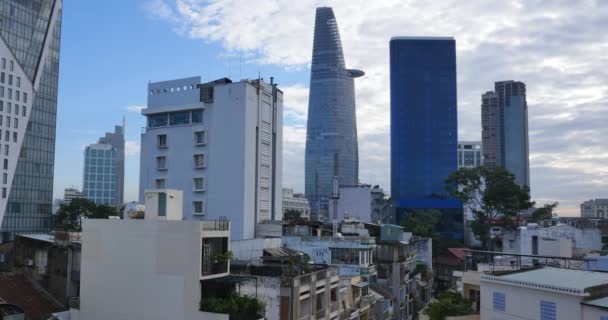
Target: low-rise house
(544, 293)
(444, 266)
(560, 240)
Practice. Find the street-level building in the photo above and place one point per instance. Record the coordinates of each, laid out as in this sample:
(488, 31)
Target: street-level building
(220, 143)
(70, 194)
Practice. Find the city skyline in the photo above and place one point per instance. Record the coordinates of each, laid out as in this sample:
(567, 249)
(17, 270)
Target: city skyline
(566, 165)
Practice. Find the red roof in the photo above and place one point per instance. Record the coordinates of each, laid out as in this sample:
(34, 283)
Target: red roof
(453, 257)
(19, 291)
(458, 252)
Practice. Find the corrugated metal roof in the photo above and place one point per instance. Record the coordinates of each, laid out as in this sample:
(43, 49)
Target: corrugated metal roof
(47, 237)
(600, 303)
(281, 252)
(555, 278)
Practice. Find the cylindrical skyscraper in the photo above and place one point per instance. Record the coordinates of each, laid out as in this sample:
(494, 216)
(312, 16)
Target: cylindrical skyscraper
(332, 123)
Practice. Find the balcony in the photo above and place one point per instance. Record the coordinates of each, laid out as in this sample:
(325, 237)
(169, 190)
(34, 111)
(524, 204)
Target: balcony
(215, 225)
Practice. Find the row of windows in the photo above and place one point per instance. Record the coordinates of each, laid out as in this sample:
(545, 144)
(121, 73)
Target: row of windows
(200, 138)
(198, 184)
(4, 78)
(172, 89)
(11, 65)
(10, 109)
(175, 118)
(18, 96)
(548, 309)
(199, 162)
(95, 153)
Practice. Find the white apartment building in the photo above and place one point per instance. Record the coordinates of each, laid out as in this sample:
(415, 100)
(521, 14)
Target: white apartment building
(297, 202)
(469, 154)
(544, 294)
(156, 268)
(221, 144)
(595, 208)
(363, 202)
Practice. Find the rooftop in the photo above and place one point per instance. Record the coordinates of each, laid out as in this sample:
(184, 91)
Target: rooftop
(568, 281)
(46, 237)
(600, 303)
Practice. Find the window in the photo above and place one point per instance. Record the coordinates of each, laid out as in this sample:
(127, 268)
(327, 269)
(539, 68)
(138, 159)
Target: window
(23, 111)
(7, 136)
(160, 183)
(5, 164)
(24, 97)
(3, 63)
(199, 160)
(5, 148)
(161, 163)
(499, 301)
(16, 109)
(547, 310)
(5, 178)
(10, 79)
(199, 138)
(18, 82)
(177, 118)
(12, 65)
(1, 92)
(3, 193)
(10, 93)
(198, 184)
(162, 204)
(16, 123)
(2, 77)
(197, 116)
(0, 121)
(157, 120)
(17, 95)
(8, 107)
(8, 122)
(15, 136)
(1, 105)
(161, 140)
(197, 207)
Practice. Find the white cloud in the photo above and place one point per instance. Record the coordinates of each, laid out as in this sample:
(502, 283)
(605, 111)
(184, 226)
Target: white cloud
(136, 108)
(557, 48)
(131, 148)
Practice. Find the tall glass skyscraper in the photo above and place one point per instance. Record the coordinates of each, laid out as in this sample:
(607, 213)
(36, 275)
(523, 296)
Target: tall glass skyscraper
(30, 33)
(424, 126)
(104, 169)
(504, 121)
(331, 137)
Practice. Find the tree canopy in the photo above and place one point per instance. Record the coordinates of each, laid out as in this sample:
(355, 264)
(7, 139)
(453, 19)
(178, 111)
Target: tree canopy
(449, 304)
(293, 216)
(544, 213)
(70, 216)
(492, 195)
(421, 222)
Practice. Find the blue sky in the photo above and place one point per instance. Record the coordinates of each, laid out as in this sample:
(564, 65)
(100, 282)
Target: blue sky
(558, 48)
(108, 55)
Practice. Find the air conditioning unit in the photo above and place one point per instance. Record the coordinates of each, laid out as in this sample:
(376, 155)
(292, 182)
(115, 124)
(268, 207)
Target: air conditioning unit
(29, 262)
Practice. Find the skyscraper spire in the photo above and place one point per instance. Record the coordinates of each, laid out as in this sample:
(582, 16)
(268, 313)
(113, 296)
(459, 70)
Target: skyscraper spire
(332, 124)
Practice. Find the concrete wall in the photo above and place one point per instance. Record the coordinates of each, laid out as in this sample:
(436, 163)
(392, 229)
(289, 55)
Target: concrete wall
(356, 202)
(252, 249)
(593, 313)
(555, 247)
(524, 303)
(269, 291)
(132, 270)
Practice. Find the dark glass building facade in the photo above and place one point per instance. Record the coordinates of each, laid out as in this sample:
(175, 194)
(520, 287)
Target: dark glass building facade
(30, 34)
(331, 136)
(424, 127)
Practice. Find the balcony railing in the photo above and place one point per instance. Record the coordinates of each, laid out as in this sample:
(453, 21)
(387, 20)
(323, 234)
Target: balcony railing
(216, 225)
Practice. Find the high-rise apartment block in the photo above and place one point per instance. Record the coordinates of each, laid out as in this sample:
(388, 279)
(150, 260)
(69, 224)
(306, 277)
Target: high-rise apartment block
(424, 126)
(30, 32)
(504, 121)
(220, 143)
(331, 136)
(296, 202)
(469, 154)
(104, 169)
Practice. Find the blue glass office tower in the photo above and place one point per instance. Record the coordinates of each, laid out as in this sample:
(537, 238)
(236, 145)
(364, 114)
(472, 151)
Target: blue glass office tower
(424, 127)
(30, 33)
(103, 176)
(331, 137)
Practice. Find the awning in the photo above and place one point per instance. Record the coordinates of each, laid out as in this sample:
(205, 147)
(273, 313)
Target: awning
(361, 284)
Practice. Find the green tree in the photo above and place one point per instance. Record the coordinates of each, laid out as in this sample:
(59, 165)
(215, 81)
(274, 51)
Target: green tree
(493, 197)
(69, 216)
(421, 222)
(543, 214)
(293, 216)
(449, 304)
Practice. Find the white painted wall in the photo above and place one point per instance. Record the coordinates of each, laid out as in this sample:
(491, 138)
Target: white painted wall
(593, 313)
(524, 303)
(252, 249)
(234, 174)
(141, 269)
